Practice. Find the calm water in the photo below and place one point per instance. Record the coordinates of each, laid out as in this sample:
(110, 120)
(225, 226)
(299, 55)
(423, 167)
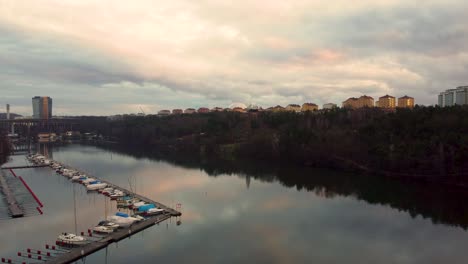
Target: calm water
(249, 213)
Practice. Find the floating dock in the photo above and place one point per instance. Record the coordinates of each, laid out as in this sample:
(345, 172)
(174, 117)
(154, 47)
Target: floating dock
(143, 198)
(24, 167)
(80, 252)
(13, 206)
(77, 253)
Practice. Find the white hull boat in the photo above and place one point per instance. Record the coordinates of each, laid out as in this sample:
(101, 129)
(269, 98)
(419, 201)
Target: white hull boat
(108, 224)
(103, 229)
(122, 221)
(96, 186)
(72, 239)
(154, 211)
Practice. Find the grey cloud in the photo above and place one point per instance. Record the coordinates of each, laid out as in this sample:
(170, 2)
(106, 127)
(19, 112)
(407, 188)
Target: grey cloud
(436, 30)
(37, 57)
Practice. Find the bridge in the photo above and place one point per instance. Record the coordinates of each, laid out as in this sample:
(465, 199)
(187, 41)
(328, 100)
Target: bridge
(25, 127)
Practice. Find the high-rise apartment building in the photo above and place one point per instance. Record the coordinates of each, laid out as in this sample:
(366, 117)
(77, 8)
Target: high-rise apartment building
(363, 101)
(457, 96)
(406, 102)
(42, 107)
(386, 101)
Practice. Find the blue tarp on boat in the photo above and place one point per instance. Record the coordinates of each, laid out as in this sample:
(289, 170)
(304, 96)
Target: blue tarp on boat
(121, 214)
(94, 182)
(146, 207)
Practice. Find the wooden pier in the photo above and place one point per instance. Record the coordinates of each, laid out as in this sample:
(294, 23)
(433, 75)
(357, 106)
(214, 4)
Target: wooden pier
(24, 167)
(13, 206)
(96, 245)
(80, 252)
(172, 211)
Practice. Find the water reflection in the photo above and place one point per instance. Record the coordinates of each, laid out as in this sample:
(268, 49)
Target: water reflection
(248, 212)
(442, 205)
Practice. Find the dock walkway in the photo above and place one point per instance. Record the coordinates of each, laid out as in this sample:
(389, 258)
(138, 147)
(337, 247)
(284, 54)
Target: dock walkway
(80, 252)
(172, 211)
(24, 167)
(13, 206)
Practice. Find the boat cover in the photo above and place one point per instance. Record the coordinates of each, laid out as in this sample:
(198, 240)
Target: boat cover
(146, 207)
(121, 214)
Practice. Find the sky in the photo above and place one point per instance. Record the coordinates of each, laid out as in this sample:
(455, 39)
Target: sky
(111, 57)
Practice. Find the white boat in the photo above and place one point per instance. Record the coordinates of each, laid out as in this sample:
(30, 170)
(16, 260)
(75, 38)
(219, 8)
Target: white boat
(154, 211)
(72, 239)
(116, 194)
(96, 186)
(138, 217)
(102, 229)
(108, 224)
(122, 221)
(107, 191)
(76, 178)
(88, 180)
(137, 205)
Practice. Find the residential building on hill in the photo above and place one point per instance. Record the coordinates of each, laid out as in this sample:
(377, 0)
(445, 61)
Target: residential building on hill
(406, 102)
(457, 96)
(293, 107)
(386, 101)
(164, 112)
(363, 101)
(217, 109)
(329, 106)
(277, 108)
(309, 107)
(189, 111)
(238, 109)
(351, 102)
(203, 110)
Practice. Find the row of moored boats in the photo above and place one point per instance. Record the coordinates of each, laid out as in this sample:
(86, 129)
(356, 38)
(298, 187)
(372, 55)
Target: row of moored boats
(112, 223)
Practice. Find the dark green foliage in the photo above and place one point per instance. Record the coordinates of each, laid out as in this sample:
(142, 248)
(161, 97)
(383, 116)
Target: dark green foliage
(5, 148)
(429, 141)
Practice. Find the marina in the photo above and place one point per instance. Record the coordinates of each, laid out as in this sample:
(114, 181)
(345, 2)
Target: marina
(72, 247)
(13, 205)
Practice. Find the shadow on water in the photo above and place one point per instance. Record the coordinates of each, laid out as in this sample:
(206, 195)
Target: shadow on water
(443, 205)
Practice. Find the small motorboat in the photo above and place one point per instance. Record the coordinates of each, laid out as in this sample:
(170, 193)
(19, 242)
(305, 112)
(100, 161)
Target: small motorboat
(137, 205)
(122, 221)
(107, 191)
(88, 180)
(116, 194)
(102, 229)
(108, 224)
(71, 239)
(139, 217)
(146, 207)
(153, 211)
(96, 186)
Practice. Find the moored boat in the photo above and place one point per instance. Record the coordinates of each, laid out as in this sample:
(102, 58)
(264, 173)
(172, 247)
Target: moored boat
(71, 239)
(96, 186)
(102, 229)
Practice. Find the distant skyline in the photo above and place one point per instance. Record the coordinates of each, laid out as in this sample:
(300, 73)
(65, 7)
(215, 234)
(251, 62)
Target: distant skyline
(109, 57)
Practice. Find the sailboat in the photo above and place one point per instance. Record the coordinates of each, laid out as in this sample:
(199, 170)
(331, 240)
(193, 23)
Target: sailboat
(69, 239)
(105, 227)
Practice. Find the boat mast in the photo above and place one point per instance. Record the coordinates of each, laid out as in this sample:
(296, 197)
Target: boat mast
(74, 208)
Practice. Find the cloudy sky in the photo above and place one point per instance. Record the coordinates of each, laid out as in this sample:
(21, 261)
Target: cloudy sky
(109, 57)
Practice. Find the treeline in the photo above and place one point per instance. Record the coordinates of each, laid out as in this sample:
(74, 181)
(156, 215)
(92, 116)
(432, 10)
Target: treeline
(441, 205)
(5, 148)
(425, 142)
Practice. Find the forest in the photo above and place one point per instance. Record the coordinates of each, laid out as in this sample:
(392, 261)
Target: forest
(5, 148)
(430, 143)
